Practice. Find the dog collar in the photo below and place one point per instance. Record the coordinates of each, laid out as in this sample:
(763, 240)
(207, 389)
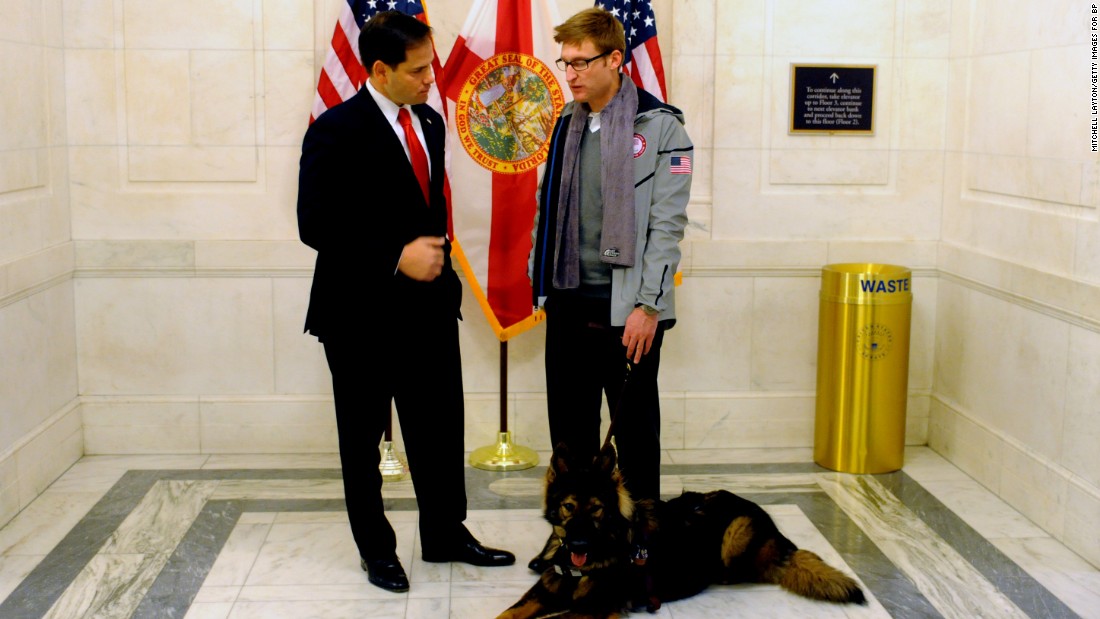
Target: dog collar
(571, 572)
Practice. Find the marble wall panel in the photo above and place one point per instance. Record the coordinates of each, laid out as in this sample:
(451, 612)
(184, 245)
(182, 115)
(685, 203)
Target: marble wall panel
(922, 103)
(709, 349)
(1057, 115)
(1020, 24)
(1082, 522)
(1029, 183)
(926, 29)
(50, 452)
(20, 170)
(223, 86)
(738, 193)
(782, 420)
(300, 364)
(9, 488)
(744, 28)
(188, 164)
(969, 446)
(288, 80)
(154, 114)
(55, 216)
(298, 425)
(859, 28)
(1008, 370)
(175, 336)
(90, 24)
(106, 206)
(106, 254)
(21, 233)
(288, 24)
(1034, 487)
(784, 334)
(203, 24)
(25, 113)
(92, 98)
(37, 367)
(998, 124)
(1081, 430)
(829, 167)
(530, 427)
(739, 94)
(716, 256)
(147, 425)
(23, 21)
(31, 272)
(907, 208)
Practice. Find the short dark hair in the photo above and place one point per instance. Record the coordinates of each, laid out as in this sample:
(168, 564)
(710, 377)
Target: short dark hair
(388, 36)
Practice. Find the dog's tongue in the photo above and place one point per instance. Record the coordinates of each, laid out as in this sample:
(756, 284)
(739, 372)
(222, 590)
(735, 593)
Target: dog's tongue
(578, 559)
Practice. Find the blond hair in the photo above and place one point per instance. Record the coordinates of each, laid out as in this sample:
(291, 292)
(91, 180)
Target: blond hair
(596, 25)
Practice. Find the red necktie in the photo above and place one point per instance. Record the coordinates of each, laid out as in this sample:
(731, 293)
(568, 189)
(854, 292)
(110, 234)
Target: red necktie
(416, 153)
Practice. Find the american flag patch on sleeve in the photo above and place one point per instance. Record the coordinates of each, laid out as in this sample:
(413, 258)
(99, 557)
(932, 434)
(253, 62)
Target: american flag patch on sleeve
(680, 164)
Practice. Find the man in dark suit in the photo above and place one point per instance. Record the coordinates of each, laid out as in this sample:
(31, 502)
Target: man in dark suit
(385, 299)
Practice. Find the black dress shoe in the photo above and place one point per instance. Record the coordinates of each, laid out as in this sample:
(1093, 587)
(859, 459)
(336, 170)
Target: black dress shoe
(386, 573)
(471, 552)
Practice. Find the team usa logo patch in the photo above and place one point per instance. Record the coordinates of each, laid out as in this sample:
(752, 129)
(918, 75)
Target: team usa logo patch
(639, 145)
(506, 110)
(680, 164)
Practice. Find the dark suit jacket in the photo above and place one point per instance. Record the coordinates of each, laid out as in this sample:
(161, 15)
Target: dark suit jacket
(359, 203)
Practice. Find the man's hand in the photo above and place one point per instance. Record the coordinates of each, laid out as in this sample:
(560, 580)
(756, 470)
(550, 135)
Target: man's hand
(641, 328)
(422, 258)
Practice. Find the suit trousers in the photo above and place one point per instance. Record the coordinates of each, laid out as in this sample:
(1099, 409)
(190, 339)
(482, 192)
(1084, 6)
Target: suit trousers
(585, 362)
(416, 365)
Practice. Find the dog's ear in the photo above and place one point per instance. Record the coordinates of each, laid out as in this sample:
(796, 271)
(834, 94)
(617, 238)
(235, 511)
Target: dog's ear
(607, 459)
(559, 462)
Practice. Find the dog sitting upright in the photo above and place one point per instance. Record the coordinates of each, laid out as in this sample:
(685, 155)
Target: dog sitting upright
(609, 553)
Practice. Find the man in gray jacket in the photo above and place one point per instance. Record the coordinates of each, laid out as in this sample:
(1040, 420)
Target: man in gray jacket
(611, 214)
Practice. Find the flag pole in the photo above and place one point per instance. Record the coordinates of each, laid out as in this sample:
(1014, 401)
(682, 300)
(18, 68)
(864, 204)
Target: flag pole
(504, 455)
(392, 465)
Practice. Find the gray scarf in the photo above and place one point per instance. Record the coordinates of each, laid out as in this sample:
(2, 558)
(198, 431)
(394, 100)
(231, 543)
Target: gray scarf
(618, 237)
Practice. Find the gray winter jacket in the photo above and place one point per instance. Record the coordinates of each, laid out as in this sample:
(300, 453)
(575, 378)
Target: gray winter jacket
(662, 187)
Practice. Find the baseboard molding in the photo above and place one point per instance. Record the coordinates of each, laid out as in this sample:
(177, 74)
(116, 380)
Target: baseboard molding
(1056, 499)
(38, 458)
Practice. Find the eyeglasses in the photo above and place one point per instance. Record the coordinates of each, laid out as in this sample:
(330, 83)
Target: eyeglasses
(578, 65)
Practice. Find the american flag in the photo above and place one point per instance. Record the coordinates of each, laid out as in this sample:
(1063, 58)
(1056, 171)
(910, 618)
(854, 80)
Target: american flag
(342, 74)
(680, 164)
(643, 54)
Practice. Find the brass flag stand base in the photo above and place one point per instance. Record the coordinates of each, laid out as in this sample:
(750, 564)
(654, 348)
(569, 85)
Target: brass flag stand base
(504, 456)
(393, 468)
(392, 465)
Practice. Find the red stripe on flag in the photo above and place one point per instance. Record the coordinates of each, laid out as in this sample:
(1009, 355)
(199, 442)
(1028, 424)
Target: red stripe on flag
(513, 194)
(511, 37)
(654, 50)
(460, 63)
(327, 91)
(347, 57)
(508, 288)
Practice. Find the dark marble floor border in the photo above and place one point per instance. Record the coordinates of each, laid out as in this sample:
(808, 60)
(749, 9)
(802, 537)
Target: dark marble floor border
(175, 587)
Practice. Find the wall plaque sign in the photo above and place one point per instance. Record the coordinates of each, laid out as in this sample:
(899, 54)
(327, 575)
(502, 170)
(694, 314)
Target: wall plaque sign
(832, 99)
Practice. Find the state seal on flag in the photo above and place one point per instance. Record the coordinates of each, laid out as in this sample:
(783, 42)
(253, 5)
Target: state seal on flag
(506, 110)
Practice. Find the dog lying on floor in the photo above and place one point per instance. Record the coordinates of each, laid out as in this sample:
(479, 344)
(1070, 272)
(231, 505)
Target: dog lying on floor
(610, 554)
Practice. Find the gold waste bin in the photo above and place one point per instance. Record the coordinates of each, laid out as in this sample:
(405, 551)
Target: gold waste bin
(862, 367)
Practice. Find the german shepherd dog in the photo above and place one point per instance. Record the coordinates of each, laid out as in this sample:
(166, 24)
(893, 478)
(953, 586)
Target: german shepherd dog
(609, 554)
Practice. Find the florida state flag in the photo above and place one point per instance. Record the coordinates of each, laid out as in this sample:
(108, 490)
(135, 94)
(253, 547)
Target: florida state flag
(503, 95)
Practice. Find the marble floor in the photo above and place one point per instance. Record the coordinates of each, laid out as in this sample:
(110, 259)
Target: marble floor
(217, 537)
